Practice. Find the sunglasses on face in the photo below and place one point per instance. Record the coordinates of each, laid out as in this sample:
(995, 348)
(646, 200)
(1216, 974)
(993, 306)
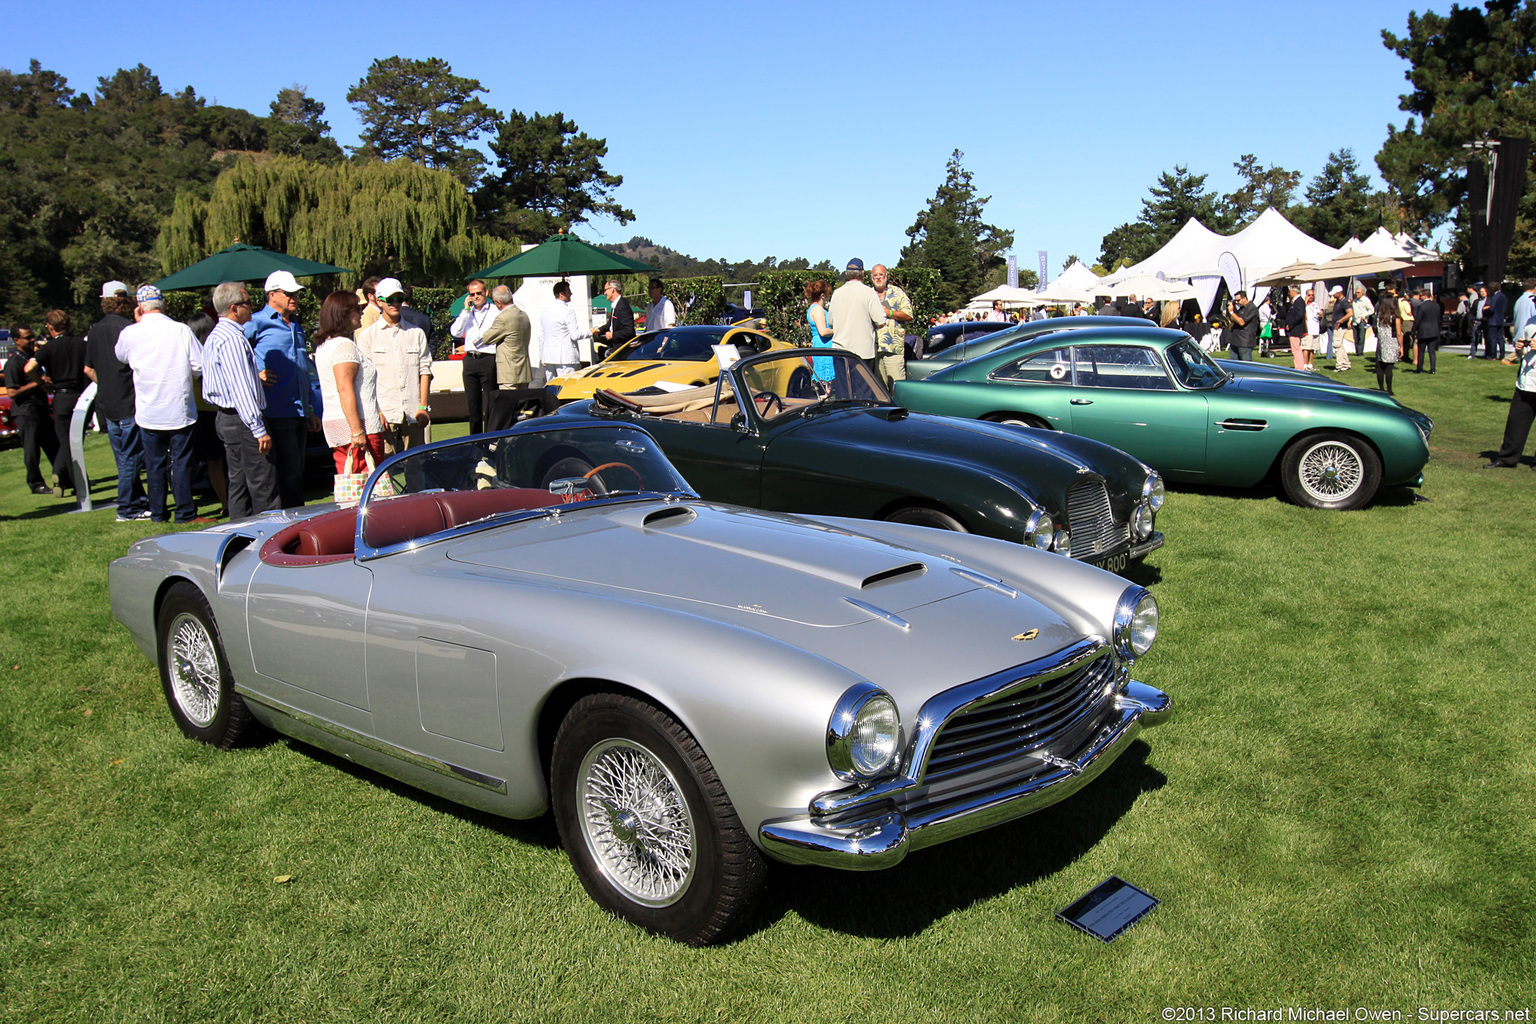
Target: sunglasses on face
(394, 300)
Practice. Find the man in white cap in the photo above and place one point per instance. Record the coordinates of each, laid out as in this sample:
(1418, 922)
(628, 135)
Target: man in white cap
(282, 355)
(114, 398)
(164, 357)
(404, 363)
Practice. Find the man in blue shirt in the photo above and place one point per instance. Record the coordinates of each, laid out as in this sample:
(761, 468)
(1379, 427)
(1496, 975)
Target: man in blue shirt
(1525, 307)
(283, 357)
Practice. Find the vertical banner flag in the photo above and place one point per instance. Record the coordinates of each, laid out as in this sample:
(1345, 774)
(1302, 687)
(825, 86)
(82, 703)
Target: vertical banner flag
(1013, 271)
(1043, 273)
(1231, 272)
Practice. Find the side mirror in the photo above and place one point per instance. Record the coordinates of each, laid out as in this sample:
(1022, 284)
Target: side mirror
(739, 422)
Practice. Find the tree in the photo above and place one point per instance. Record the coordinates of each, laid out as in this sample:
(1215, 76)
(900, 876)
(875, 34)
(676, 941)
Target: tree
(366, 215)
(1471, 73)
(296, 126)
(1175, 199)
(949, 236)
(421, 110)
(1261, 188)
(551, 177)
(1341, 202)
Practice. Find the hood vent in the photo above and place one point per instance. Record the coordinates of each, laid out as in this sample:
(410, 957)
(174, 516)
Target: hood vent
(910, 569)
(677, 515)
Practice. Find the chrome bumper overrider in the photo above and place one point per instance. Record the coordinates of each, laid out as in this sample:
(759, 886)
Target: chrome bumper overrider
(882, 840)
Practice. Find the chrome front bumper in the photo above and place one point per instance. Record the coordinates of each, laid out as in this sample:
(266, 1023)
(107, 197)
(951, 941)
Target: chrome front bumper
(881, 841)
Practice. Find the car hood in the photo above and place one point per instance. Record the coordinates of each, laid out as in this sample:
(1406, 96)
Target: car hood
(630, 374)
(1307, 387)
(1041, 458)
(753, 568)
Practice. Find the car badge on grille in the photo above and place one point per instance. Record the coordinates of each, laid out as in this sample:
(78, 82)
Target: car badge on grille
(1030, 635)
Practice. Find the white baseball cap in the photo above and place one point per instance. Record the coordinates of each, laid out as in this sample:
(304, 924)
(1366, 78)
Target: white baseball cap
(388, 286)
(282, 281)
(112, 288)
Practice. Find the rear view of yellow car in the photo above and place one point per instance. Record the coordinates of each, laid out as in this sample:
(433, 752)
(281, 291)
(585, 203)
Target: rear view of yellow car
(676, 355)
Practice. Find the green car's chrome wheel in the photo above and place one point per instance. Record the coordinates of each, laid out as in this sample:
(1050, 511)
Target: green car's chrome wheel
(1331, 471)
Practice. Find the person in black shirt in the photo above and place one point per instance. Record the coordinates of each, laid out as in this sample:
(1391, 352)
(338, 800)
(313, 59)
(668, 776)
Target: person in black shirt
(114, 398)
(1426, 318)
(63, 364)
(1243, 333)
(29, 406)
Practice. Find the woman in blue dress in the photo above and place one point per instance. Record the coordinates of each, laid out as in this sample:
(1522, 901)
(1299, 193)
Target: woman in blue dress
(821, 330)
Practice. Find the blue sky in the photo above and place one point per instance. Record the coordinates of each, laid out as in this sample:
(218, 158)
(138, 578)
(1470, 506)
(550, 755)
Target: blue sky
(819, 130)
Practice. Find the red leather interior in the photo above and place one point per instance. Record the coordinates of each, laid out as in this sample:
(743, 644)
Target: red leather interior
(329, 537)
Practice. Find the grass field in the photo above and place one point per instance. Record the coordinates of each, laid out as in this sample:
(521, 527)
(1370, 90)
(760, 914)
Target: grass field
(1341, 815)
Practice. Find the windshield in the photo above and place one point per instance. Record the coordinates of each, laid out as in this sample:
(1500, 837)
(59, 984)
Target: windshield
(794, 384)
(1192, 367)
(492, 476)
(694, 345)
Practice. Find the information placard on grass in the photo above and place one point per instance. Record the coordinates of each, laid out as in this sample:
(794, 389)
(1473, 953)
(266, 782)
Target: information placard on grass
(1109, 908)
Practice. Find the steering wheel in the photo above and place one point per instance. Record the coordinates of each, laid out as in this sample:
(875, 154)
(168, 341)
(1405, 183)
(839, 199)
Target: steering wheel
(768, 398)
(639, 480)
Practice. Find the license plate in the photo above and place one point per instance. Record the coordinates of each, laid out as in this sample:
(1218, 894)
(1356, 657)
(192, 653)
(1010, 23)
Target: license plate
(1114, 563)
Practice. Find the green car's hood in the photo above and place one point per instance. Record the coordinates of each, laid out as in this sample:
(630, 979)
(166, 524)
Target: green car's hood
(1293, 384)
(1047, 461)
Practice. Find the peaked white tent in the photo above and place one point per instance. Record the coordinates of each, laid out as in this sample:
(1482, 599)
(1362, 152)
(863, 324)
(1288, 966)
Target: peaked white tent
(1266, 245)
(1078, 277)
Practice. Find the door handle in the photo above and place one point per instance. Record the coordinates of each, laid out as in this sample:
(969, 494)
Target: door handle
(1082, 401)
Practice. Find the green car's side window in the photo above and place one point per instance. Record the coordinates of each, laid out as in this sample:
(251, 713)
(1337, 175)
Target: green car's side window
(1121, 366)
(1052, 367)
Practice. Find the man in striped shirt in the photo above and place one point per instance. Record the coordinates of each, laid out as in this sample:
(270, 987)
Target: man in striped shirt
(232, 386)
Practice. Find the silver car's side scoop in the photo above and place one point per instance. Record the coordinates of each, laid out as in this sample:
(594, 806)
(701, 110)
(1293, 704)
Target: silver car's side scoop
(772, 565)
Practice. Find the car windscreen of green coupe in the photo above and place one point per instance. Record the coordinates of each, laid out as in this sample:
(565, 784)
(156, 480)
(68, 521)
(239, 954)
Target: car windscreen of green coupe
(1155, 394)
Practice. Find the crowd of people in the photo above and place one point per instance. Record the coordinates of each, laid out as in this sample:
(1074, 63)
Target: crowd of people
(231, 388)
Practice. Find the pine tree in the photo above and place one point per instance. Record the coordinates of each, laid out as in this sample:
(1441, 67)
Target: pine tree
(421, 110)
(550, 177)
(949, 236)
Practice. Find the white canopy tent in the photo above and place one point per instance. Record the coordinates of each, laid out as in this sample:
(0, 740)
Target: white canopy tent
(1005, 294)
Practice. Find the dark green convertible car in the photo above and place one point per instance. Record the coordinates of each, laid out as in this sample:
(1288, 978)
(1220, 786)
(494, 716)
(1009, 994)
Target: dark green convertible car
(812, 431)
(1155, 394)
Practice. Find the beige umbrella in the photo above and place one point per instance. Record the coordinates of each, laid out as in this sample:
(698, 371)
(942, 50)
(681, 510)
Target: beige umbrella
(1301, 270)
(1352, 264)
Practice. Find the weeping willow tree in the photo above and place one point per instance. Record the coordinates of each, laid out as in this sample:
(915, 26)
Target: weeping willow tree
(370, 216)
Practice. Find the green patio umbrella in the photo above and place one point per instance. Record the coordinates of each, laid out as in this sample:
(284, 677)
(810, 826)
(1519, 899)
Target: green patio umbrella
(564, 255)
(242, 262)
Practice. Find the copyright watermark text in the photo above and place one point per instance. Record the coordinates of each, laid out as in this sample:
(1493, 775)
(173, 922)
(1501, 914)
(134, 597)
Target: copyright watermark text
(1202, 1014)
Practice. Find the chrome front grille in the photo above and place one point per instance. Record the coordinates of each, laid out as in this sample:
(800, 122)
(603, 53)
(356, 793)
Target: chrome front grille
(1091, 520)
(1053, 717)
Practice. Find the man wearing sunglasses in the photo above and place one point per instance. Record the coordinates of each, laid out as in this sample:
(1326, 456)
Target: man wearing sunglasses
(282, 355)
(479, 358)
(403, 361)
(232, 387)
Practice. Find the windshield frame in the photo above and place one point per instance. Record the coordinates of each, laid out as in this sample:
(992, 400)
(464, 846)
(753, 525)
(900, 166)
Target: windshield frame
(757, 421)
(1200, 356)
(373, 495)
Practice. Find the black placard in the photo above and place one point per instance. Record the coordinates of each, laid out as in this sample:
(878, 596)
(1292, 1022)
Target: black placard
(1109, 908)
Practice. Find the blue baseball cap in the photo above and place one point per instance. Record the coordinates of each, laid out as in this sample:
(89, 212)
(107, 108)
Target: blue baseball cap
(148, 293)
(855, 264)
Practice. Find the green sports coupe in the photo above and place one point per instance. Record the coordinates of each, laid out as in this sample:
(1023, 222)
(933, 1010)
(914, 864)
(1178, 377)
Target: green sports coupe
(1153, 393)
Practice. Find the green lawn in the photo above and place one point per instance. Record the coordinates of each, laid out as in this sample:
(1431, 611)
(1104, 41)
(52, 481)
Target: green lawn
(1340, 814)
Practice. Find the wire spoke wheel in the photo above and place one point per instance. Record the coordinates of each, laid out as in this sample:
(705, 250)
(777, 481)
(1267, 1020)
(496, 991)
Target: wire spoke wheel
(636, 822)
(1331, 471)
(194, 669)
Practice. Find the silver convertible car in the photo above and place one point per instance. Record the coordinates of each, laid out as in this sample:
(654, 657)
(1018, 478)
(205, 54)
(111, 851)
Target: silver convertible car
(549, 618)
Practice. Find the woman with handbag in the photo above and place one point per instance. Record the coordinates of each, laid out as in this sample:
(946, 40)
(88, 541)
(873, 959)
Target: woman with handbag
(353, 425)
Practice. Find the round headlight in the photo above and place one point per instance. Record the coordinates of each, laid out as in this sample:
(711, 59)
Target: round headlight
(1141, 521)
(1062, 542)
(864, 733)
(1135, 623)
(1152, 490)
(1038, 530)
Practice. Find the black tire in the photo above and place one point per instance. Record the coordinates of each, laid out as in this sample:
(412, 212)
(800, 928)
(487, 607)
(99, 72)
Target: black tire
(195, 673)
(922, 515)
(714, 875)
(1021, 419)
(800, 384)
(1330, 471)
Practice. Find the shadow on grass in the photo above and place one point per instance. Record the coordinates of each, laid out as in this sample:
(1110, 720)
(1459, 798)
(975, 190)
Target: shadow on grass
(538, 831)
(931, 883)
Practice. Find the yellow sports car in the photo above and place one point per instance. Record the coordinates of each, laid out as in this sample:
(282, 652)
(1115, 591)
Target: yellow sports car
(677, 355)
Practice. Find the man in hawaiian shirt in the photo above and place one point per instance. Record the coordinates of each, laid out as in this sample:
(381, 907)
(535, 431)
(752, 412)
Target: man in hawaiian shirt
(890, 340)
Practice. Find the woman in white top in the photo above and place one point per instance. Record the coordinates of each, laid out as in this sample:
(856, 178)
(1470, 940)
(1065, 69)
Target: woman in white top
(348, 386)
